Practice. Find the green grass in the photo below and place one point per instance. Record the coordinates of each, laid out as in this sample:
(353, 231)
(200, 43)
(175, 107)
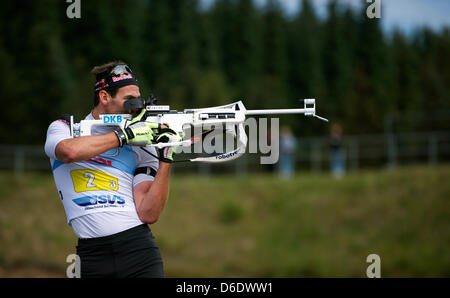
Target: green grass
(257, 226)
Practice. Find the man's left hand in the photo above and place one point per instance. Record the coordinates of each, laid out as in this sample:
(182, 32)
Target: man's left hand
(167, 135)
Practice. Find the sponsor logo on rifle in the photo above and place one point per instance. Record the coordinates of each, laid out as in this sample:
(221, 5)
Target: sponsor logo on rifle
(112, 119)
(227, 155)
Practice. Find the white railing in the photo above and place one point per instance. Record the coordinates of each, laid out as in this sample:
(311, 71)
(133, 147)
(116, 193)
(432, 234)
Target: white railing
(360, 151)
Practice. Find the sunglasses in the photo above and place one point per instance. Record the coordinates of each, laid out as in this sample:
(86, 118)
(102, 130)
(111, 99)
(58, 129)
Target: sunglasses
(115, 72)
(120, 69)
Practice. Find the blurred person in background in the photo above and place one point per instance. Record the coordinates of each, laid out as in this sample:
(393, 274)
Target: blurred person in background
(337, 160)
(111, 190)
(288, 147)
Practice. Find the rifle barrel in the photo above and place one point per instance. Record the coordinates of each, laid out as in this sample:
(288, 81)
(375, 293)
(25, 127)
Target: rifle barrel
(280, 111)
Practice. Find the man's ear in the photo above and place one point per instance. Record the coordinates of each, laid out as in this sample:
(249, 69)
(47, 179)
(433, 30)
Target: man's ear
(104, 97)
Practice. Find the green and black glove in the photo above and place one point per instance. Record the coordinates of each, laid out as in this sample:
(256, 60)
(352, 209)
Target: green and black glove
(167, 135)
(138, 132)
(139, 117)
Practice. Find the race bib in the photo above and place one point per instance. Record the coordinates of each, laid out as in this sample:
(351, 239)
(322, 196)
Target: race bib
(87, 180)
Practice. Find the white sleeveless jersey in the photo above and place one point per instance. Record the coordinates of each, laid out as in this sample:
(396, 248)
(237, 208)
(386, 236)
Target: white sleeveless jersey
(97, 193)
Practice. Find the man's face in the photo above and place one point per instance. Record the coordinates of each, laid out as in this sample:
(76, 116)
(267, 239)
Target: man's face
(115, 106)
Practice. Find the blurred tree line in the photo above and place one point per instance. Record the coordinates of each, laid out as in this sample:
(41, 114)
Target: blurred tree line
(191, 57)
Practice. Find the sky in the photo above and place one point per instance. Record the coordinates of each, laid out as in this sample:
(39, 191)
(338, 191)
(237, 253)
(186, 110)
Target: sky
(404, 15)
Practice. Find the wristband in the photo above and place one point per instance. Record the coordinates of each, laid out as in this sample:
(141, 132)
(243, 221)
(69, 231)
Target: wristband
(121, 137)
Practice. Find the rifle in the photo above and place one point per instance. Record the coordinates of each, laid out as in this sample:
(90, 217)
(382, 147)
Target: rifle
(231, 115)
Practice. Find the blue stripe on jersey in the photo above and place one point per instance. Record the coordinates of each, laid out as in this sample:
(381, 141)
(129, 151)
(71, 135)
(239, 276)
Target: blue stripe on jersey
(122, 159)
(56, 164)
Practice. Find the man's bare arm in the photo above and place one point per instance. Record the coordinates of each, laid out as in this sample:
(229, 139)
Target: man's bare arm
(150, 197)
(82, 148)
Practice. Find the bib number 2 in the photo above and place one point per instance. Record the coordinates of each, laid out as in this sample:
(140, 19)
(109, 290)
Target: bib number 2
(91, 179)
(87, 180)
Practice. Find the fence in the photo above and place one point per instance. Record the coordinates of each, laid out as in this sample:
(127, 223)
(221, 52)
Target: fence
(362, 151)
(382, 150)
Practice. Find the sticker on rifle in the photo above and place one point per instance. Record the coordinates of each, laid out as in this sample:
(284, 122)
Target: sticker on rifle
(86, 180)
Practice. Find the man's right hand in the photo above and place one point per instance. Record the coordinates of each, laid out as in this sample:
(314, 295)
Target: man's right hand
(140, 133)
(137, 134)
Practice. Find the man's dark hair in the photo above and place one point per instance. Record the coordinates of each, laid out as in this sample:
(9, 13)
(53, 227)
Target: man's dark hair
(105, 68)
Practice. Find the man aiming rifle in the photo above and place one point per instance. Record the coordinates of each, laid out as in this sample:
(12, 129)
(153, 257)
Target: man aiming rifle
(111, 190)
